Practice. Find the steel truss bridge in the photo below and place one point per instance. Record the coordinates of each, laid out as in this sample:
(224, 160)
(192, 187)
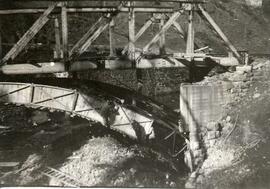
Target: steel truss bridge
(68, 57)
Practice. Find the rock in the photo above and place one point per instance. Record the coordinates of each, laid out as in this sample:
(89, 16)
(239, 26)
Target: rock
(238, 77)
(211, 135)
(213, 126)
(40, 117)
(218, 134)
(193, 175)
(172, 184)
(228, 118)
(244, 69)
(198, 161)
(257, 95)
(198, 153)
(199, 179)
(190, 185)
(212, 143)
(194, 145)
(207, 143)
(259, 66)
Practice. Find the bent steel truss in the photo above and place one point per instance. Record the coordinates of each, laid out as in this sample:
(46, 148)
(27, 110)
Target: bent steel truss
(92, 104)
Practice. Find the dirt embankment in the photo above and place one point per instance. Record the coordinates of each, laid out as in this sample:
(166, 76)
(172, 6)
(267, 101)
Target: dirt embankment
(240, 158)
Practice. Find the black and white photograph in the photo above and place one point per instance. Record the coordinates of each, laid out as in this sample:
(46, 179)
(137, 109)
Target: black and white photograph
(135, 94)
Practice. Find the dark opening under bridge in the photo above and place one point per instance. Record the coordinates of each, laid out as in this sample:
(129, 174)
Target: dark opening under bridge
(70, 57)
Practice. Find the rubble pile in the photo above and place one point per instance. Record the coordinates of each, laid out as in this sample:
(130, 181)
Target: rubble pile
(105, 162)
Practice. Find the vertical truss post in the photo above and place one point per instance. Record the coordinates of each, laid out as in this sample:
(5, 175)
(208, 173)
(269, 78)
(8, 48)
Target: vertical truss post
(131, 29)
(75, 101)
(211, 21)
(64, 22)
(32, 92)
(111, 37)
(58, 52)
(190, 35)
(162, 39)
(1, 48)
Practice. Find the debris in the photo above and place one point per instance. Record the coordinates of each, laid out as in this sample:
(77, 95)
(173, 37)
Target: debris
(228, 118)
(256, 95)
(244, 69)
(9, 164)
(213, 126)
(235, 123)
(4, 127)
(64, 178)
(40, 117)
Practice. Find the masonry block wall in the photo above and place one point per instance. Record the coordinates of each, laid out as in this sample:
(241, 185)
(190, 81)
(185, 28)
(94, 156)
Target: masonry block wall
(155, 81)
(202, 104)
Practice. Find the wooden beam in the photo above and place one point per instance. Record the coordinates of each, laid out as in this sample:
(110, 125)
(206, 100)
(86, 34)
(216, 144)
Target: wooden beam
(111, 38)
(190, 34)
(166, 26)
(177, 1)
(29, 35)
(211, 21)
(88, 10)
(85, 37)
(143, 63)
(162, 39)
(64, 22)
(89, 42)
(131, 33)
(1, 45)
(9, 164)
(58, 51)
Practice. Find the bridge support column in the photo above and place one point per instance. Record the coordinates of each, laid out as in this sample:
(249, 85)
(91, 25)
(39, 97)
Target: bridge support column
(131, 29)
(64, 30)
(190, 35)
(58, 52)
(1, 48)
(111, 37)
(162, 40)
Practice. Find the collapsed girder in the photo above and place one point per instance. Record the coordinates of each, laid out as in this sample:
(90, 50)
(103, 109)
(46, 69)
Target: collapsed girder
(114, 107)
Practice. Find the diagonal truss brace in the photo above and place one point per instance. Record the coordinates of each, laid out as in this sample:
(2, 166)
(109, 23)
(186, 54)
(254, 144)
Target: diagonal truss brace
(93, 33)
(89, 42)
(166, 26)
(211, 21)
(147, 24)
(30, 34)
